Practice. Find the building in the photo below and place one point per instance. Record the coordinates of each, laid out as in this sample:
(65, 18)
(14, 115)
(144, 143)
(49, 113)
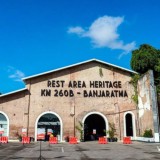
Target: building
(93, 92)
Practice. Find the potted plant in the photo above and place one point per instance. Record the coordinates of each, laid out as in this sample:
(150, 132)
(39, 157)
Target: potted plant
(112, 133)
(80, 129)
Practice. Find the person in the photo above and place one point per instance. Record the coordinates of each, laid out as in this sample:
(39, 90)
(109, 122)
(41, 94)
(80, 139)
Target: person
(51, 135)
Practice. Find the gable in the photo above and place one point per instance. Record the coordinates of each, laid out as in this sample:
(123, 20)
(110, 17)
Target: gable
(76, 66)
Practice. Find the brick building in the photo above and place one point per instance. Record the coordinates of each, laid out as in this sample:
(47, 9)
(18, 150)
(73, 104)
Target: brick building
(93, 92)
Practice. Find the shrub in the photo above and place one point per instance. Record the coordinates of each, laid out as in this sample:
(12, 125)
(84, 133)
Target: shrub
(80, 129)
(148, 133)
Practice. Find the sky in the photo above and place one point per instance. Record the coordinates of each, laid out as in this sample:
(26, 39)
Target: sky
(37, 36)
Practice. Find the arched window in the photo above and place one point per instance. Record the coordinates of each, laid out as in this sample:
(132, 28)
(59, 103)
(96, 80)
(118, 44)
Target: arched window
(4, 123)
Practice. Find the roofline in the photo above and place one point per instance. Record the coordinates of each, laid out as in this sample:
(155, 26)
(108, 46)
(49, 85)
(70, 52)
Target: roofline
(16, 91)
(40, 74)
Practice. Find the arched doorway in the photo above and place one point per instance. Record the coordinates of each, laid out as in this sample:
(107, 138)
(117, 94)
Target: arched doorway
(4, 123)
(95, 125)
(129, 124)
(50, 122)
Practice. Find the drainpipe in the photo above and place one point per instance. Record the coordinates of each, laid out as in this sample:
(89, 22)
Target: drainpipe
(74, 122)
(119, 122)
(28, 107)
(116, 105)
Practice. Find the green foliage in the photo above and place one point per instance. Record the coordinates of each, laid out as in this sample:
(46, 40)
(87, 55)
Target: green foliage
(100, 72)
(157, 74)
(147, 58)
(134, 82)
(148, 133)
(135, 98)
(144, 58)
(80, 129)
(112, 130)
(157, 66)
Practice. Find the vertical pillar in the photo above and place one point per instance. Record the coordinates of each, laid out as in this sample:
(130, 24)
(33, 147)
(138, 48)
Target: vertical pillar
(154, 107)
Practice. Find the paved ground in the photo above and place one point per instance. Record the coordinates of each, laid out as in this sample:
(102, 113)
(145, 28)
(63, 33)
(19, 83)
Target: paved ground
(82, 151)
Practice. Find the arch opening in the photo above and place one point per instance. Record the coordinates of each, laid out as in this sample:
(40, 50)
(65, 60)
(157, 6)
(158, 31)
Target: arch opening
(94, 127)
(51, 124)
(4, 124)
(129, 125)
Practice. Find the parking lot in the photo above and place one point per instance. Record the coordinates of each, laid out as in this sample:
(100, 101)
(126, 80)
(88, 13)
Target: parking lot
(81, 151)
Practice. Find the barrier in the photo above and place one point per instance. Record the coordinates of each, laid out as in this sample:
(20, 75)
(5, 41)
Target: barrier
(127, 140)
(53, 140)
(73, 140)
(102, 140)
(0, 139)
(4, 139)
(25, 140)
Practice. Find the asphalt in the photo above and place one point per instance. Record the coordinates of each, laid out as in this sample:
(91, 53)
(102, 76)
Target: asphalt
(81, 151)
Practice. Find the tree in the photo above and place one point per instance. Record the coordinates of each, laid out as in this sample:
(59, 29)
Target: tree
(143, 59)
(146, 58)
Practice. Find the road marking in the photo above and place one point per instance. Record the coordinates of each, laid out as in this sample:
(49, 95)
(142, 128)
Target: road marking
(62, 150)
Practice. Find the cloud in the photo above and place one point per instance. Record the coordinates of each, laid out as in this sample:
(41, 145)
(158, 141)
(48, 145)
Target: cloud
(103, 33)
(76, 30)
(15, 74)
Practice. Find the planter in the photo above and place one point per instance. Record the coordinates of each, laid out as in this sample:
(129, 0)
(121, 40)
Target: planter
(81, 140)
(112, 139)
(115, 139)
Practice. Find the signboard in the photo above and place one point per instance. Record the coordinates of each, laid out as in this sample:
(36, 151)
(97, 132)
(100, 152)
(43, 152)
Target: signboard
(1, 130)
(41, 133)
(49, 131)
(93, 89)
(94, 131)
(24, 131)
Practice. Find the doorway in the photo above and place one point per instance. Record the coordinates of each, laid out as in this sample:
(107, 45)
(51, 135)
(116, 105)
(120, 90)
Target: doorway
(51, 124)
(4, 124)
(94, 127)
(129, 125)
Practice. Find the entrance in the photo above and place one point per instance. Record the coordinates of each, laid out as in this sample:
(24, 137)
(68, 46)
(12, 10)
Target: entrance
(51, 124)
(4, 124)
(94, 127)
(129, 125)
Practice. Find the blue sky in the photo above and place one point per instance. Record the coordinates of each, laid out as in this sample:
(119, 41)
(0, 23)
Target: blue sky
(42, 35)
